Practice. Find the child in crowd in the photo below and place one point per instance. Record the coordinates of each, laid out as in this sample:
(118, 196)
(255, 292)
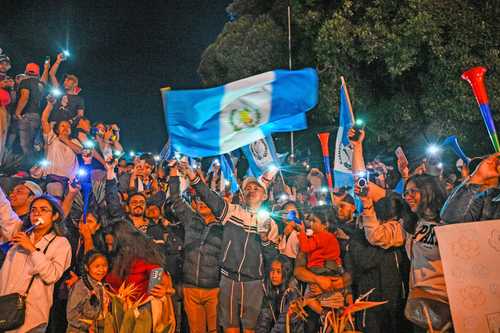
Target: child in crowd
(289, 242)
(88, 302)
(280, 291)
(322, 247)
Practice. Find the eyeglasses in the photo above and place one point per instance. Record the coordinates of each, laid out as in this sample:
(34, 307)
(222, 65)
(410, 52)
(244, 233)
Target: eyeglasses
(411, 192)
(42, 210)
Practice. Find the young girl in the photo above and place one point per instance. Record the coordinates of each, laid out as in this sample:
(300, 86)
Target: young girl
(88, 303)
(322, 248)
(280, 291)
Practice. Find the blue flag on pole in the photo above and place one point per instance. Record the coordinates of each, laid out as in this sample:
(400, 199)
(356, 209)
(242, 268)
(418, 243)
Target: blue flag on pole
(215, 121)
(342, 171)
(261, 154)
(227, 169)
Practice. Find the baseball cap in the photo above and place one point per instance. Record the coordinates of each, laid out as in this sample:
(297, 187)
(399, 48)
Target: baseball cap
(32, 69)
(254, 180)
(348, 199)
(33, 187)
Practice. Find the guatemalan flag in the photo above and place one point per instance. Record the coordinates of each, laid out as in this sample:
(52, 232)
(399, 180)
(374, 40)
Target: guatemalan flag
(342, 171)
(261, 155)
(218, 120)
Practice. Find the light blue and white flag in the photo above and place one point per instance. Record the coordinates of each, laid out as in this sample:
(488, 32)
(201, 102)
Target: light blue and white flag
(261, 155)
(342, 170)
(227, 170)
(215, 121)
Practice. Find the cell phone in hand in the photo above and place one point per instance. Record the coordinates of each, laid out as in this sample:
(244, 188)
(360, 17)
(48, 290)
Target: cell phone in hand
(401, 155)
(358, 127)
(292, 216)
(155, 278)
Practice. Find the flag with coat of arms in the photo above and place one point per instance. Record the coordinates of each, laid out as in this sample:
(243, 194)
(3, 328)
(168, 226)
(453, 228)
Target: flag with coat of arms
(342, 170)
(215, 121)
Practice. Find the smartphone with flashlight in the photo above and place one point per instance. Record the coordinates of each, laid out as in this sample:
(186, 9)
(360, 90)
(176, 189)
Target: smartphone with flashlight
(358, 127)
(400, 154)
(47, 59)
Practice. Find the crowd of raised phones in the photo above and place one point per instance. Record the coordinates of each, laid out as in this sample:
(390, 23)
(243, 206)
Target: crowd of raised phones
(99, 243)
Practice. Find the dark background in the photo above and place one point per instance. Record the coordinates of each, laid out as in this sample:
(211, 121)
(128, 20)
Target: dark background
(122, 51)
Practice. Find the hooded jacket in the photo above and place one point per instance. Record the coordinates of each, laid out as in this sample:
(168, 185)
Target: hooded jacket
(243, 252)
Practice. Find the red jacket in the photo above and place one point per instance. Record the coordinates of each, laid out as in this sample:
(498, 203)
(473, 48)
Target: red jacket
(138, 275)
(319, 248)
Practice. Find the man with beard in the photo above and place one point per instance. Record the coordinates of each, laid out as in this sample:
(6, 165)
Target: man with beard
(136, 207)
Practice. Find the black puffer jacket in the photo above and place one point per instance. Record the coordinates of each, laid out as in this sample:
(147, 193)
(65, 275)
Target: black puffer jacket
(202, 243)
(384, 270)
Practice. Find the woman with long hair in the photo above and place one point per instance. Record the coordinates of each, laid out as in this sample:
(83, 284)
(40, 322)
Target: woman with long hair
(425, 196)
(41, 257)
(133, 257)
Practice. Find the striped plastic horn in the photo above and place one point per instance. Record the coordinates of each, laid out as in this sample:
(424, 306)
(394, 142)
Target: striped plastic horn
(475, 77)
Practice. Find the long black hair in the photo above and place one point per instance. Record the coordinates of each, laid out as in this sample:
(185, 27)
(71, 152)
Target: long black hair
(286, 272)
(57, 226)
(432, 196)
(129, 244)
(89, 258)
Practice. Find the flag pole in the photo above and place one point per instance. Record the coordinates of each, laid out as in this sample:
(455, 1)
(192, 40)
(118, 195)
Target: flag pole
(165, 146)
(292, 148)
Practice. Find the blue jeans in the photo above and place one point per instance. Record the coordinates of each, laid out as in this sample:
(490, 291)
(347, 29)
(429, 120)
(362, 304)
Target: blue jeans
(27, 128)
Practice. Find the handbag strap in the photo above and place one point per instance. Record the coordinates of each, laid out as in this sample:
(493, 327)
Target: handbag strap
(33, 277)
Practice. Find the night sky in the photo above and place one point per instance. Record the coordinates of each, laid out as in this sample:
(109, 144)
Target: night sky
(122, 51)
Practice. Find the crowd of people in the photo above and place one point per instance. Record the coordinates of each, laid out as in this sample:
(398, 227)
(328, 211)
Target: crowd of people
(98, 243)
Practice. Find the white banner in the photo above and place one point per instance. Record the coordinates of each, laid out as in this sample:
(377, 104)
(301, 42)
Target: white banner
(470, 253)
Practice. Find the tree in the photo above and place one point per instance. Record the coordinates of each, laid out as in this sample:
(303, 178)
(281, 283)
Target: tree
(402, 61)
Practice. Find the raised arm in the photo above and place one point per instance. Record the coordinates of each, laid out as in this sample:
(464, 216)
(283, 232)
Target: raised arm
(46, 128)
(112, 196)
(69, 199)
(358, 161)
(45, 75)
(54, 69)
(215, 202)
(386, 235)
(181, 209)
(9, 221)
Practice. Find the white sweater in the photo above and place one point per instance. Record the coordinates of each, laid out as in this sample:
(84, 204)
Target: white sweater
(19, 266)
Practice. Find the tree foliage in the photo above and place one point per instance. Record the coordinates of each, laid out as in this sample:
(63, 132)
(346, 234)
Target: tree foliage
(402, 61)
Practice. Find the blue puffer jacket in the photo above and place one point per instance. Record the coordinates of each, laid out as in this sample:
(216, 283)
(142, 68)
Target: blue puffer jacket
(272, 317)
(467, 204)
